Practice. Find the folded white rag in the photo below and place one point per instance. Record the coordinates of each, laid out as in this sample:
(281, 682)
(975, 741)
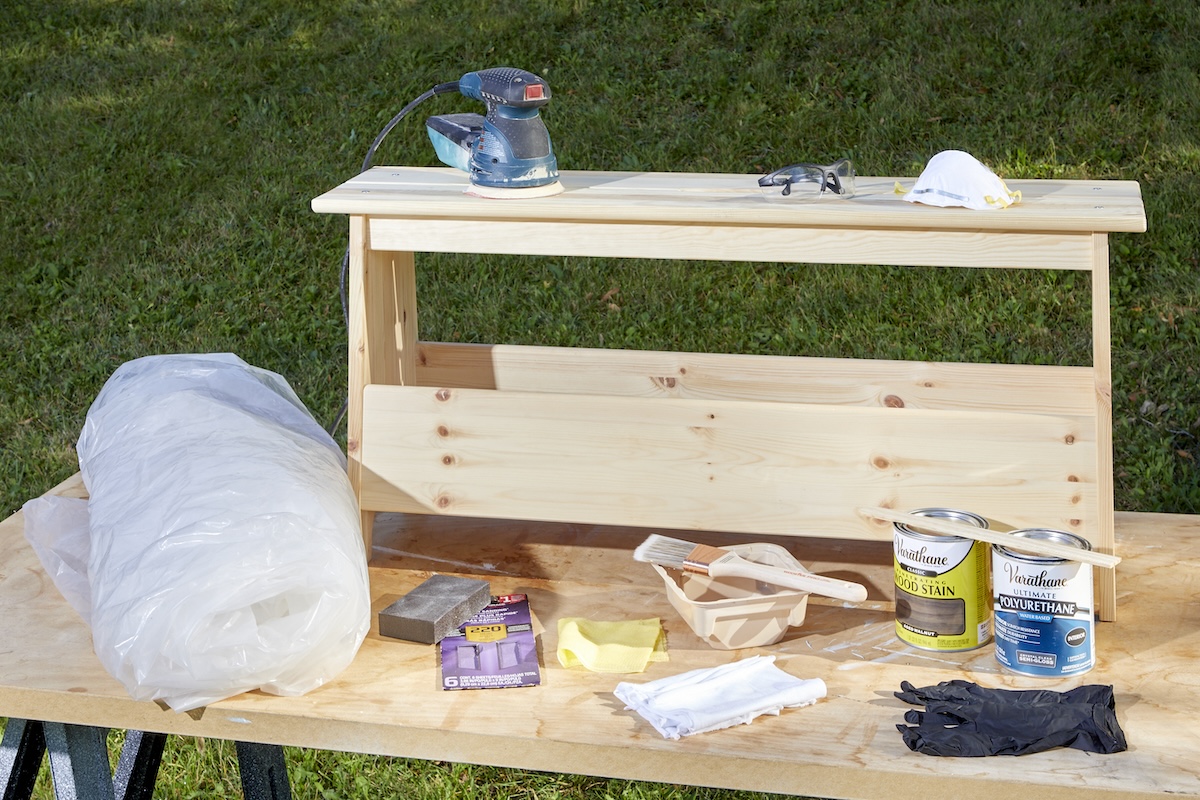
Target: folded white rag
(718, 697)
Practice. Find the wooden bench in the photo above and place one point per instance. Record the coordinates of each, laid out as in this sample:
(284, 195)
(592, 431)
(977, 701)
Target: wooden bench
(739, 443)
(389, 702)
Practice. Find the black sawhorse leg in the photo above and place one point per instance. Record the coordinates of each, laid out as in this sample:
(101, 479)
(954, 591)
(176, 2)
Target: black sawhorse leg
(138, 768)
(80, 769)
(264, 773)
(21, 755)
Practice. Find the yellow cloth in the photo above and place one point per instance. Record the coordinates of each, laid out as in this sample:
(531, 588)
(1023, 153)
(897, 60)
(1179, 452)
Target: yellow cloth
(626, 646)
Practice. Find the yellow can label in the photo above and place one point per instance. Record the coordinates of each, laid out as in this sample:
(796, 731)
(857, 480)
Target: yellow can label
(942, 597)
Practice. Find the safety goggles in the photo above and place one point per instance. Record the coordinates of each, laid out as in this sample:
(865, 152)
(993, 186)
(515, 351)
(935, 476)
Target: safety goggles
(811, 180)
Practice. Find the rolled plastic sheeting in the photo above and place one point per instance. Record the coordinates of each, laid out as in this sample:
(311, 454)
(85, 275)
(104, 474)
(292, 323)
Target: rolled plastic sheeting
(222, 540)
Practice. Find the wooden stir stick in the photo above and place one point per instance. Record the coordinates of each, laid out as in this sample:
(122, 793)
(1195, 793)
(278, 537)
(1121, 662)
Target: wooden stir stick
(949, 527)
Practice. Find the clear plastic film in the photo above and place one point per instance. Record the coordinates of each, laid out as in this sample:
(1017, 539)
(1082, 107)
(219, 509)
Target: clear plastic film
(221, 539)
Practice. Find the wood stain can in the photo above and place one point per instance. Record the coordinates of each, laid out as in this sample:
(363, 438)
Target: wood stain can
(1043, 608)
(942, 598)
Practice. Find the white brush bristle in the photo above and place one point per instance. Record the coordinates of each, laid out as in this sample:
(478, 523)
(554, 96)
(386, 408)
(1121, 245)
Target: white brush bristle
(664, 551)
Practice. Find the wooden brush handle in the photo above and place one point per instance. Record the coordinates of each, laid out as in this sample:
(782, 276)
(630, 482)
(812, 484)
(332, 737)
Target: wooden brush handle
(949, 527)
(733, 565)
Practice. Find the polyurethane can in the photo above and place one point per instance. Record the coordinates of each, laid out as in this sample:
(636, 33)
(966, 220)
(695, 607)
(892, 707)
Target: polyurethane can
(942, 597)
(1043, 605)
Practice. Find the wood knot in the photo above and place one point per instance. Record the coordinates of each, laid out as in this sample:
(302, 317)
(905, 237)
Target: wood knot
(443, 395)
(352, 445)
(448, 460)
(1074, 523)
(443, 431)
(1072, 479)
(1069, 438)
(443, 501)
(880, 462)
(893, 401)
(666, 381)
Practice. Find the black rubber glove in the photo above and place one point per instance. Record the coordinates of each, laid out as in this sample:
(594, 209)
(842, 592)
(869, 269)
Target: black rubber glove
(965, 719)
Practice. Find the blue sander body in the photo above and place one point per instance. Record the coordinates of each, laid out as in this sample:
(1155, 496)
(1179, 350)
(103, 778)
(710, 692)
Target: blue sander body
(506, 152)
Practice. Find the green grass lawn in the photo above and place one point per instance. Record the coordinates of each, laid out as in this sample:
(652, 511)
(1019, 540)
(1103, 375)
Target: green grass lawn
(157, 159)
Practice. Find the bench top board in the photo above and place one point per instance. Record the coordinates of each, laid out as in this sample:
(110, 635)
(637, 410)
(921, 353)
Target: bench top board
(1058, 206)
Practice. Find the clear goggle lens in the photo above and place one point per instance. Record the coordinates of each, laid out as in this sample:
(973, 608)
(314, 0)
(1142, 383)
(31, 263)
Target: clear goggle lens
(810, 181)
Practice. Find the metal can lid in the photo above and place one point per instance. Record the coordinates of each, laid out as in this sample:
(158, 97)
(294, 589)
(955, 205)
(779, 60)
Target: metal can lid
(965, 517)
(1046, 534)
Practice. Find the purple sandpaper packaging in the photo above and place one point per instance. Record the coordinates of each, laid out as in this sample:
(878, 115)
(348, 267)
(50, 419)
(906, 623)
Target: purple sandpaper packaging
(495, 649)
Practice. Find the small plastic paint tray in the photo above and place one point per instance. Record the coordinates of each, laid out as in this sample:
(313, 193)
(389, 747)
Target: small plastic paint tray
(732, 613)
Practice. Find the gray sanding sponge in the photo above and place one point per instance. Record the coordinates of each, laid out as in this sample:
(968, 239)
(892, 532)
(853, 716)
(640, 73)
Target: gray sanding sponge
(435, 609)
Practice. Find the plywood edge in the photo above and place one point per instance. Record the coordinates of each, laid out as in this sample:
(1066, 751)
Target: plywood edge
(247, 719)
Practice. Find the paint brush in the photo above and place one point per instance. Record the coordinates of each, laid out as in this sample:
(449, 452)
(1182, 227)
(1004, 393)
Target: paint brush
(717, 562)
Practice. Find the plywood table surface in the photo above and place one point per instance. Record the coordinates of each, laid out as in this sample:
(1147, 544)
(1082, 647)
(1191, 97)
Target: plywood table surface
(389, 701)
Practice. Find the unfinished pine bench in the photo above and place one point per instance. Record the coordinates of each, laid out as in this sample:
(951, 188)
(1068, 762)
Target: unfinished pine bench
(736, 443)
(390, 702)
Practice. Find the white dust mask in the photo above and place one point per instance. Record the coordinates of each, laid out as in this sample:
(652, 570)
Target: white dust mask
(955, 178)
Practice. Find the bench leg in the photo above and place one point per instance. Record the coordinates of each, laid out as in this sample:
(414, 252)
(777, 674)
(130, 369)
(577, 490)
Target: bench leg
(21, 755)
(79, 761)
(264, 772)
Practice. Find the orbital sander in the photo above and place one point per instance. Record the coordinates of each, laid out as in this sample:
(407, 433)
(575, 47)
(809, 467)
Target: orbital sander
(506, 152)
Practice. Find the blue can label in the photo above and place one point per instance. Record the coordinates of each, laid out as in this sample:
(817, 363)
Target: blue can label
(1043, 614)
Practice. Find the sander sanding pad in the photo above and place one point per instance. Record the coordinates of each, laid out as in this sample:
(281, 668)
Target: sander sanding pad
(522, 193)
(435, 609)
